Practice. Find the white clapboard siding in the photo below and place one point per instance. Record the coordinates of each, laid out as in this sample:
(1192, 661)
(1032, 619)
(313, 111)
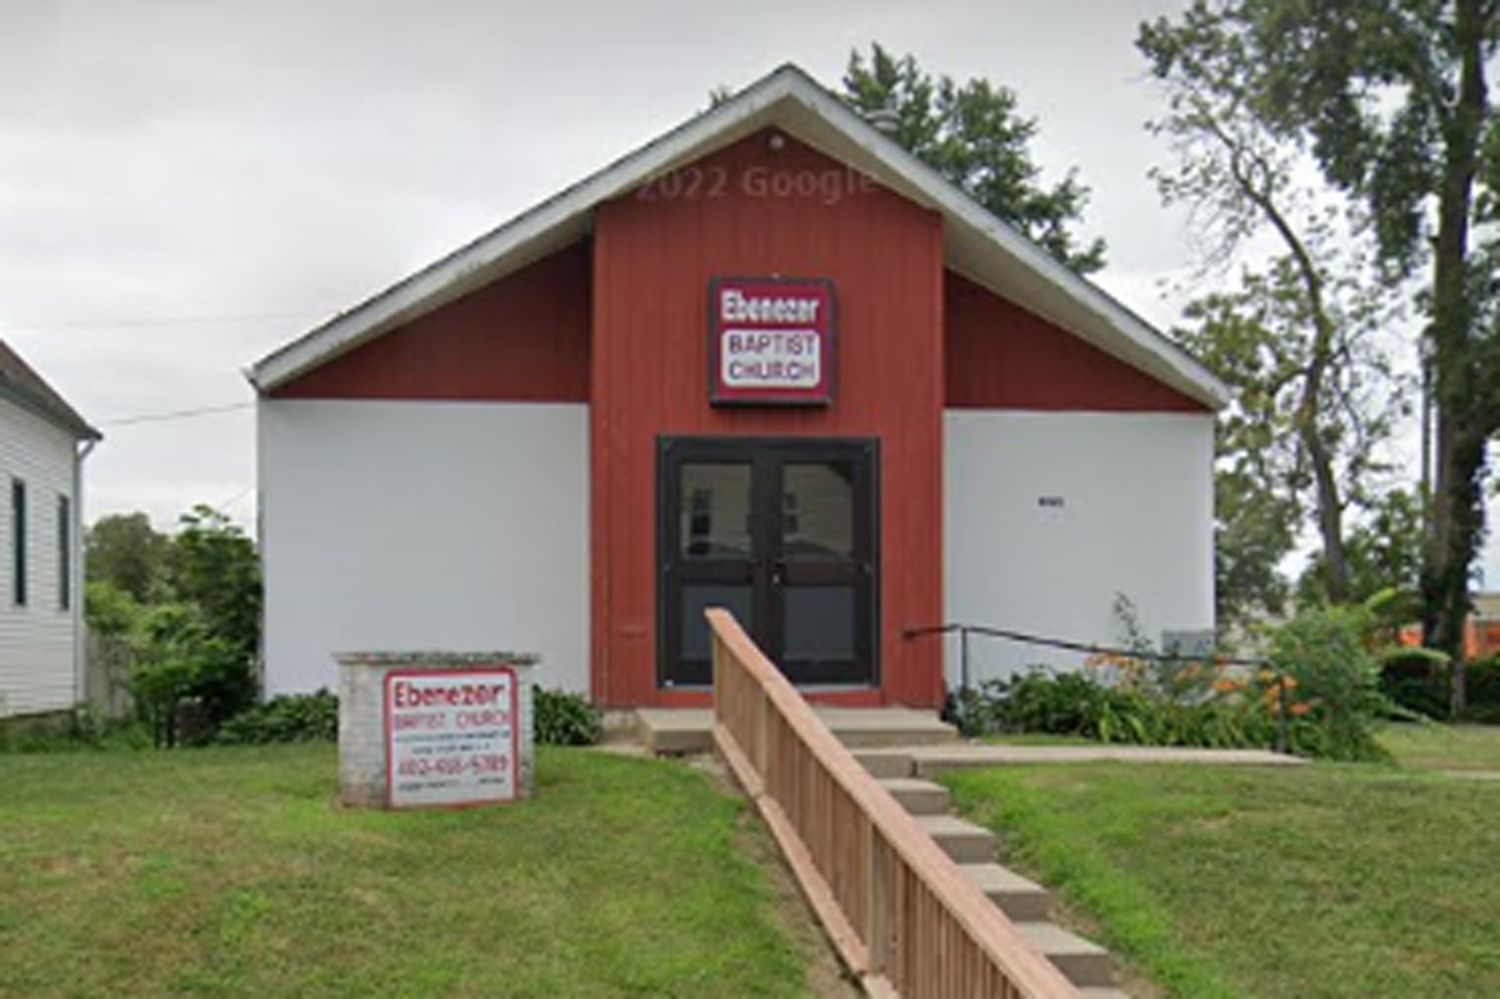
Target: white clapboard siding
(37, 663)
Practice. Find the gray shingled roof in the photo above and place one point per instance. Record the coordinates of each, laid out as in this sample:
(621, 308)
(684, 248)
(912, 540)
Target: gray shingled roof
(19, 382)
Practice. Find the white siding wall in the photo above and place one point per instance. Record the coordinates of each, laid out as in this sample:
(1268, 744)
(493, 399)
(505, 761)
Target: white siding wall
(423, 525)
(38, 668)
(1137, 519)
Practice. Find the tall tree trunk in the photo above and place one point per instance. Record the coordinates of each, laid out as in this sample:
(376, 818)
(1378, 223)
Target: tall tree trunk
(1452, 545)
(1457, 511)
(1330, 506)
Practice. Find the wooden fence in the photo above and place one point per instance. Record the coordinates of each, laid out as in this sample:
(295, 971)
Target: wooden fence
(904, 919)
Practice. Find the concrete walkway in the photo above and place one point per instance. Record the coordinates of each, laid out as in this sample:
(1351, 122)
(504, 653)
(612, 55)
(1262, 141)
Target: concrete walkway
(923, 761)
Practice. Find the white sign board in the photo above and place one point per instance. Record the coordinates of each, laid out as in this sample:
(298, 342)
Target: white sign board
(770, 359)
(451, 736)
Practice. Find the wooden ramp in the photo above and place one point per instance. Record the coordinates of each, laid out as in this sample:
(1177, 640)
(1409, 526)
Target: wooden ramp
(911, 896)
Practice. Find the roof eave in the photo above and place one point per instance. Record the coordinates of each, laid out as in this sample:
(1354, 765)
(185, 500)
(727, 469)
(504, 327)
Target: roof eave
(70, 422)
(505, 248)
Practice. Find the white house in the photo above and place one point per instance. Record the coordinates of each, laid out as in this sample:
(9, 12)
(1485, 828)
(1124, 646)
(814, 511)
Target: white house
(43, 442)
(768, 361)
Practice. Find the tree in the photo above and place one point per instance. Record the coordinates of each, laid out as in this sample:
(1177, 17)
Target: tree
(124, 550)
(1392, 100)
(214, 566)
(973, 134)
(194, 636)
(1314, 395)
(1385, 556)
(1254, 530)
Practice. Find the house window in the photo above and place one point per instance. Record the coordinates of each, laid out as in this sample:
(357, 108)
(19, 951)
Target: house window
(18, 541)
(64, 553)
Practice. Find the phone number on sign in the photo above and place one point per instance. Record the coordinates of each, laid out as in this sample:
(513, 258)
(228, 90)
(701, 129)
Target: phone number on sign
(827, 187)
(453, 766)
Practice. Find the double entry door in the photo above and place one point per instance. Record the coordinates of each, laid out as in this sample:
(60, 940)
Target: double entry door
(782, 533)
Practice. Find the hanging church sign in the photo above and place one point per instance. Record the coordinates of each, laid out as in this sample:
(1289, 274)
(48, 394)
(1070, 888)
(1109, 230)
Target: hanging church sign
(771, 341)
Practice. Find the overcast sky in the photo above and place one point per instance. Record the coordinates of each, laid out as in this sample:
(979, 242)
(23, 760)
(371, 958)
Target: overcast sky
(186, 185)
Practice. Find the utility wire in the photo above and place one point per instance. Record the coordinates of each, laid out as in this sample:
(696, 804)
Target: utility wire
(135, 322)
(224, 505)
(178, 414)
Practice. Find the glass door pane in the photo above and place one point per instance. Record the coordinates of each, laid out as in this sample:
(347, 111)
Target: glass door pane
(819, 561)
(708, 554)
(817, 510)
(714, 520)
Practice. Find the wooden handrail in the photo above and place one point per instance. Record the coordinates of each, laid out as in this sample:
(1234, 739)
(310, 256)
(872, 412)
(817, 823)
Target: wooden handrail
(903, 917)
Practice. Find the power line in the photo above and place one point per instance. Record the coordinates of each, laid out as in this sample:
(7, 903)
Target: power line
(178, 414)
(133, 322)
(224, 505)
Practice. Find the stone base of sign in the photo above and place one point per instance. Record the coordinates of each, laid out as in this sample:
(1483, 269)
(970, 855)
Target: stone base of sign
(363, 780)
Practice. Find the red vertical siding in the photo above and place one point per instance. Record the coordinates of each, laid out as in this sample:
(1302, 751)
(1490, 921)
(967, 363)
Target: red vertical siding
(1001, 356)
(751, 210)
(524, 337)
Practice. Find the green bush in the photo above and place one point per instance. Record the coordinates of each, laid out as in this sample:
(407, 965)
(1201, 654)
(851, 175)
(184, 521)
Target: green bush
(285, 718)
(1482, 691)
(564, 719)
(1334, 682)
(1326, 708)
(187, 681)
(1417, 679)
(1079, 704)
(560, 719)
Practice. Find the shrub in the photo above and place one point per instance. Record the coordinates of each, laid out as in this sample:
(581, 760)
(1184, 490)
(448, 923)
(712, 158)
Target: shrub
(1417, 679)
(1333, 680)
(285, 718)
(1079, 704)
(1482, 691)
(183, 671)
(1321, 693)
(564, 719)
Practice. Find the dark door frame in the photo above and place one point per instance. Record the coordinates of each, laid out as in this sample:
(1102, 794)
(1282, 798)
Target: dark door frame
(767, 570)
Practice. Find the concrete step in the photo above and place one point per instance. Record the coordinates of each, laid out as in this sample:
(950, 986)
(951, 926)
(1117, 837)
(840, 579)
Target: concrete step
(678, 731)
(1103, 992)
(870, 728)
(1082, 962)
(1022, 899)
(884, 764)
(675, 731)
(919, 797)
(963, 842)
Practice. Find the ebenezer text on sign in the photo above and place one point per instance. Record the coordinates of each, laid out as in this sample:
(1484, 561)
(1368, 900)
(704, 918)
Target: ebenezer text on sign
(771, 341)
(451, 736)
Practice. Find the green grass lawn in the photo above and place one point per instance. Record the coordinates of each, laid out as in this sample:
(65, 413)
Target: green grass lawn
(1444, 747)
(233, 871)
(1329, 880)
